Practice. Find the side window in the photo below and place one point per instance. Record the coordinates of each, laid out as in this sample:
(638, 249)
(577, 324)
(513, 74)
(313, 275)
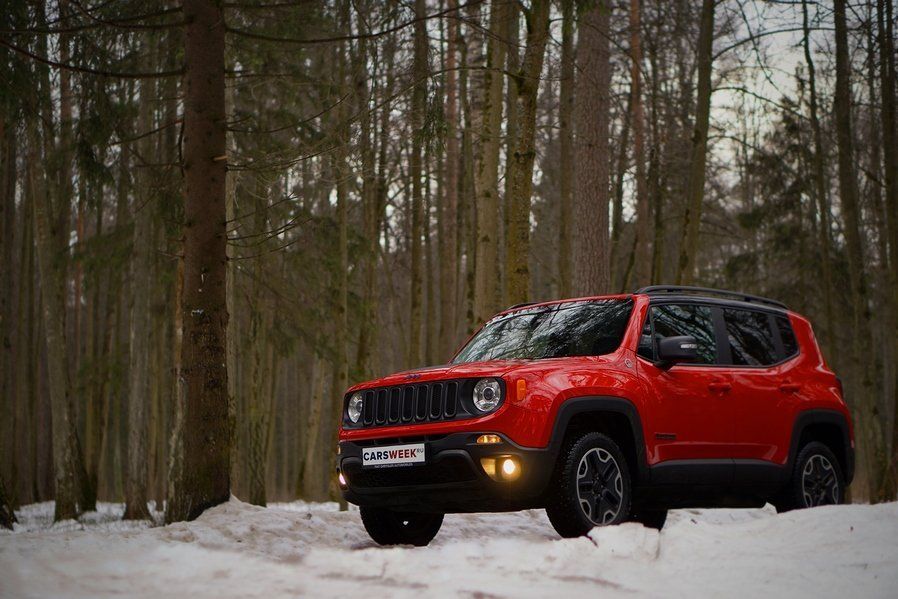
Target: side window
(672, 320)
(750, 337)
(646, 347)
(790, 345)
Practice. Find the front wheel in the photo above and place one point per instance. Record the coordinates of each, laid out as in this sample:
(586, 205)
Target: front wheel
(591, 486)
(389, 527)
(816, 480)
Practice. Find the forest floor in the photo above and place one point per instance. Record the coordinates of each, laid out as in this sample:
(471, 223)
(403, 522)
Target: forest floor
(293, 549)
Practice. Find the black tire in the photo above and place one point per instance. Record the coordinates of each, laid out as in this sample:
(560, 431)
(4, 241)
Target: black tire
(604, 480)
(816, 480)
(649, 518)
(388, 527)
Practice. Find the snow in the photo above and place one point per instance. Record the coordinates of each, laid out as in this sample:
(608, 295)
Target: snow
(239, 550)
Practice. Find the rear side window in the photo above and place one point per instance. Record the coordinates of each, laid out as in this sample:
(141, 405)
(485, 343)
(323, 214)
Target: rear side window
(790, 345)
(672, 320)
(750, 337)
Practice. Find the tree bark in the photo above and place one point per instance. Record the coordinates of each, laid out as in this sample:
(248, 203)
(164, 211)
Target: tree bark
(7, 515)
(205, 479)
(643, 253)
(517, 248)
(566, 147)
(696, 187)
(419, 106)
(592, 259)
(486, 120)
(449, 208)
(8, 151)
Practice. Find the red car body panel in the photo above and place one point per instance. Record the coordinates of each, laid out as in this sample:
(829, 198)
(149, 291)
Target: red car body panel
(688, 411)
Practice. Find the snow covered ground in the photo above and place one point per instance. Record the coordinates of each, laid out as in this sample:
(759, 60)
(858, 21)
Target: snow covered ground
(238, 550)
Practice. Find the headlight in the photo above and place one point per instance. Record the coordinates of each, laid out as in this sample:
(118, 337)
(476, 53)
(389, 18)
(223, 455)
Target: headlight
(354, 407)
(487, 394)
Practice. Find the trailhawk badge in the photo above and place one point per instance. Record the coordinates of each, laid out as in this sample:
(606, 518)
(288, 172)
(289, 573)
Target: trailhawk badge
(393, 455)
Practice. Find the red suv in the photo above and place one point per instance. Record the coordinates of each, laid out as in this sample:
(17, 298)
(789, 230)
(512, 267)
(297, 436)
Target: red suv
(603, 410)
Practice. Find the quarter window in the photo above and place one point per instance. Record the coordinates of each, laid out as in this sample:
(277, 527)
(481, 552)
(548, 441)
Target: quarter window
(790, 345)
(750, 337)
(673, 320)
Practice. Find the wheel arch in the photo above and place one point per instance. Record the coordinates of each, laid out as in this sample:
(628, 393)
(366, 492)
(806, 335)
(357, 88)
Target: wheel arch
(616, 417)
(829, 427)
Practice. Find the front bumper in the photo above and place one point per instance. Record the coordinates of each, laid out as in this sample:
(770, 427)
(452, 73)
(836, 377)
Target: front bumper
(451, 481)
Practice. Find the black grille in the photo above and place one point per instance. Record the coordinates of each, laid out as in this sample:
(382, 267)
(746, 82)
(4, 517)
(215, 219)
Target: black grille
(413, 403)
(446, 471)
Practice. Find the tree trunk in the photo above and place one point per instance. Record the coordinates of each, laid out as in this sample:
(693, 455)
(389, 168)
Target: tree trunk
(7, 515)
(566, 149)
(8, 151)
(419, 106)
(643, 253)
(696, 187)
(887, 75)
(517, 248)
(820, 188)
(139, 341)
(205, 478)
(850, 204)
(592, 260)
(449, 208)
(486, 120)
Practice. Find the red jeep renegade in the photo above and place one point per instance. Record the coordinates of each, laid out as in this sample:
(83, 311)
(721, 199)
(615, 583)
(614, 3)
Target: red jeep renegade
(603, 410)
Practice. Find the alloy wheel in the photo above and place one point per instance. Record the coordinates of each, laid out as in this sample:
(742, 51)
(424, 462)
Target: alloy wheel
(819, 483)
(599, 486)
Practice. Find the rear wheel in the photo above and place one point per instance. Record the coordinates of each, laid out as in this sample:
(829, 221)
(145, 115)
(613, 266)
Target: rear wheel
(591, 486)
(388, 527)
(816, 480)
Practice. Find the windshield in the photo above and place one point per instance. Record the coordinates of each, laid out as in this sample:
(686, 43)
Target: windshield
(584, 328)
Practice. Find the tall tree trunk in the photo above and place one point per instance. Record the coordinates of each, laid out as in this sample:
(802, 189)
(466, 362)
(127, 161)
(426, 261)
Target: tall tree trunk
(486, 121)
(419, 107)
(566, 149)
(692, 216)
(517, 248)
(139, 341)
(850, 204)
(449, 207)
(592, 259)
(8, 151)
(643, 253)
(205, 477)
(886, 34)
(820, 187)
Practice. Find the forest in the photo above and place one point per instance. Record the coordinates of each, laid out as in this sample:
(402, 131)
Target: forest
(219, 214)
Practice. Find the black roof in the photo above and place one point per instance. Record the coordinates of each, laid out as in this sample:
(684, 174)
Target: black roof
(687, 290)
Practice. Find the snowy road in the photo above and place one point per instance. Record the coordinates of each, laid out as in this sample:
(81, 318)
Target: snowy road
(237, 550)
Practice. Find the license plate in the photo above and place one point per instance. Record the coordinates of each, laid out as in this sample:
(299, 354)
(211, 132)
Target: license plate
(393, 455)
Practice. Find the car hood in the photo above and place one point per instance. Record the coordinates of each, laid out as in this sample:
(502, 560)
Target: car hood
(496, 368)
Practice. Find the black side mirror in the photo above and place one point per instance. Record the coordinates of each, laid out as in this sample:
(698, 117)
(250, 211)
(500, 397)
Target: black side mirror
(674, 350)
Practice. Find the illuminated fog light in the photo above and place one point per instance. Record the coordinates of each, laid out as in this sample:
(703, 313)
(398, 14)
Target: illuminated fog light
(488, 439)
(501, 468)
(509, 468)
(342, 480)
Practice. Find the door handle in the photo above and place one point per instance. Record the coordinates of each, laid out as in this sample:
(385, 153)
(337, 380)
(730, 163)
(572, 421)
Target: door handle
(720, 387)
(790, 387)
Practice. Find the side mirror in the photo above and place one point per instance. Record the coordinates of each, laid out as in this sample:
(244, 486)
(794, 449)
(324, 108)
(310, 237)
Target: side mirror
(674, 350)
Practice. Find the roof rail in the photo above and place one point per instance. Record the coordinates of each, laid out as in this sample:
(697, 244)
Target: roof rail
(657, 289)
(521, 305)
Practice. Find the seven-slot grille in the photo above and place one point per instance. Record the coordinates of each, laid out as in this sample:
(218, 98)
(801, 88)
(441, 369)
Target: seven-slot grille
(413, 403)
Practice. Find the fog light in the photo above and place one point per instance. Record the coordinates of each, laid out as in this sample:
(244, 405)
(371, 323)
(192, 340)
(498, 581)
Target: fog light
(502, 468)
(509, 468)
(488, 439)
(342, 480)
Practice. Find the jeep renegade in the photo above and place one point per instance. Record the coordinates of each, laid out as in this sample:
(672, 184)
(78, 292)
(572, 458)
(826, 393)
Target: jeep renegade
(603, 410)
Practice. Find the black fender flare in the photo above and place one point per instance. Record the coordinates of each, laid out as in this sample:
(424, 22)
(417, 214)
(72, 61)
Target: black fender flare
(813, 416)
(597, 404)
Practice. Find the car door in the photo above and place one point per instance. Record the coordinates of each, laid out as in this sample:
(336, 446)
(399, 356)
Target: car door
(690, 420)
(758, 348)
